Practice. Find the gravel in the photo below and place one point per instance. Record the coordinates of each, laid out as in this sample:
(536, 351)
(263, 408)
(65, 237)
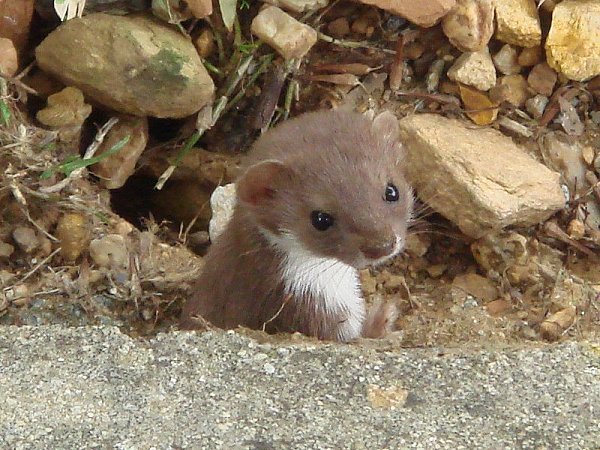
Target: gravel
(66, 388)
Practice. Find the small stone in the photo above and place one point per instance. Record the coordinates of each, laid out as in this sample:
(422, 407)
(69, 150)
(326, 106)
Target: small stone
(518, 22)
(26, 239)
(200, 8)
(387, 398)
(339, 27)
(542, 79)
(530, 56)
(573, 43)
(555, 325)
(477, 196)
(110, 251)
(9, 62)
(477, 286)
(513, 89)
(424, 14)
(115, 169)
(588, 155)
(417, 245)
(470, 25)
(72, 231)
(299, 6)
(65, 109)
(15, 21)
(537, 105)
(205, 43)
(6, 250)
(414, 50)
(222, 203)
(133, 64)
(290, 38)
(475, 69)
(497, 307)
(506, 60)
(576, 229)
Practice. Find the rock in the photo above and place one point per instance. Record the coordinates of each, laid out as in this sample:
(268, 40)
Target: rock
(477, 286)
(513, 89)
(470, 25)
(15, 21)
(542, 79)
(65, 109)
(118, 167)
(73, 233)
(9, 61)
(555, 325)
(290, 38)
(222, 204)
(200, 8)
(6, 250)
(424, 14)
(299, 6)
(26, 239)
(530, 56)
(564, 155)
(518, 22)
(576, 229)
(537, 105)
(476, 195)
(110, 252)
(498, 307)
(205, 43)
(475, 69)
(478, 106)
(499, 251)
(506, 60)
(338, 27)
(573, 44)
(135, 65)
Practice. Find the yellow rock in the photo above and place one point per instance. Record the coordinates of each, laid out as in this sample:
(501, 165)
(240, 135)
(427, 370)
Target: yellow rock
(518, 22)
(573, 45)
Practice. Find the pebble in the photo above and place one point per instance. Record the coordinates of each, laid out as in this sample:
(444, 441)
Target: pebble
(9, 62)
(518, 22)
(339, 27)
(66, 108)
(474, 69)
(73, 233)
(205, 43)
(115, 170)
(6, 250)
(573, 43)
(26, 239)
(513, 89)
(222, 204)
(537, 105)
(530, 56)
(477, 286)
(110, 251)
(470, 25)
(477, 197)
(200, 8)
(132, 64)
(299, 6)
(542, 79)
(289, 37)
(506, 60)
(424, 14)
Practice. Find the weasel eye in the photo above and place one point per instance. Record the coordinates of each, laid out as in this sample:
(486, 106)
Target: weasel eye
(391, 193)
(321, 220)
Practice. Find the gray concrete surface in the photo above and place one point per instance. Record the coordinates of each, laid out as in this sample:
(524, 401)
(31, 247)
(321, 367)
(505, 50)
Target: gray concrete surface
(97, 388)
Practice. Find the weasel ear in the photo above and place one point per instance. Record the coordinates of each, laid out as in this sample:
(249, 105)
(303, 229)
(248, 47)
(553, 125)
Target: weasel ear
(385, 124)
(259, 182)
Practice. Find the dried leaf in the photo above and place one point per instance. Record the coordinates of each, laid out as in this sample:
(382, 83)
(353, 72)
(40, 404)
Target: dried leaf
(228, 12)
(480, 109)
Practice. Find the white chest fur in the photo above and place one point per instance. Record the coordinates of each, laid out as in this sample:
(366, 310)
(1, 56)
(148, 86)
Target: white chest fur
(331, 286)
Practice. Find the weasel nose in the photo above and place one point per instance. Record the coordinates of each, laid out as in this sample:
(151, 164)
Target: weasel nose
(379, 249)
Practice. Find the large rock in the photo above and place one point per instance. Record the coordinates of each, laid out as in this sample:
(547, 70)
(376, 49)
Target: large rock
(478, 178)
(573, 45)
(518, 22)
(135, 65)
(425, 14)
(470, 25)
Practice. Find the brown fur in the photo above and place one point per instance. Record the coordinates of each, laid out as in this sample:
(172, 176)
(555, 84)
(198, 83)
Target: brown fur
(334, 161)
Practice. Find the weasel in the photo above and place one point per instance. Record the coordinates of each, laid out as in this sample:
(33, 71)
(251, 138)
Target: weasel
(322, 196)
